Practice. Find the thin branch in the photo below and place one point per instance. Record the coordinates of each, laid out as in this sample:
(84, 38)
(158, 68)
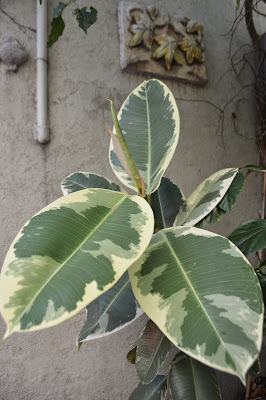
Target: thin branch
(235, 21)
(220, 109)
(259, 12)
(22, 27)
(200, 101)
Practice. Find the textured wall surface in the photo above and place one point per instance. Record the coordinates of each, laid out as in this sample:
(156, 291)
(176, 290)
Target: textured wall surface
(84, 71)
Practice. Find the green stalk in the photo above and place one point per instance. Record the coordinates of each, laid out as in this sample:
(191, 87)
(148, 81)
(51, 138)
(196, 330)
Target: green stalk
(129, 159)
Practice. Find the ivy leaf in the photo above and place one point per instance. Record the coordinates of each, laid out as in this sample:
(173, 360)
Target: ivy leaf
(57, 24)
(85, 18)
(168, 49)
(59, 9)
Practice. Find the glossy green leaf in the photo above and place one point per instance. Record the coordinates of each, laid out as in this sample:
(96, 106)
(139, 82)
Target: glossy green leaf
(212, 218)
(166, 202)
(152, 351)
(149, 120)
(204, 296)
(86, 18)
(85, 180)
(227, 202)
(191, 380)
(70, 253)
(112, 311)
(263, 264)
(57, 24)
(205, 198)
(250, 236)
(253, 166)
(262, 278)
(155, 390)
(255, 368)
(229, 199)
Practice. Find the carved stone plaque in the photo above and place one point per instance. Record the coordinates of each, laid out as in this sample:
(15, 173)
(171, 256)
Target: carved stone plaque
(153, 41)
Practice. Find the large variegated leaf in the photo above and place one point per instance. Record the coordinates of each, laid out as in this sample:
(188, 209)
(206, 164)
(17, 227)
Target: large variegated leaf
(166, 202)
(250, 236)
(191, 380)
(207, 195)
(155, 390)
(204, 296)
(149, 120)
(111, 311)
(152, 351)
(69, 253)
(85, 180)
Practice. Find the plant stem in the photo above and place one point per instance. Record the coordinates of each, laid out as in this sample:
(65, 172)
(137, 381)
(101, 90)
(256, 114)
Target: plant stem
(248, 387)
(149, 199)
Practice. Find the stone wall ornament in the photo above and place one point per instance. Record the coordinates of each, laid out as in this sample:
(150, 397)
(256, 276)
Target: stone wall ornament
(12, 54)
(155, 42)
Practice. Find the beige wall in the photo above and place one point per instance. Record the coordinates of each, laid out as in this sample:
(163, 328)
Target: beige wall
(83, 72)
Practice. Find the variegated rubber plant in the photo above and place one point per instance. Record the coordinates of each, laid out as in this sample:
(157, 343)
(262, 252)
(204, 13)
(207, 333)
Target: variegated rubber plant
(119, 255)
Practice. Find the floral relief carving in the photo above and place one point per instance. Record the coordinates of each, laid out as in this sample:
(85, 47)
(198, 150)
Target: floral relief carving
(192, 49)
(168, 49)
(142, 30)
(154, 41)
(152, 11)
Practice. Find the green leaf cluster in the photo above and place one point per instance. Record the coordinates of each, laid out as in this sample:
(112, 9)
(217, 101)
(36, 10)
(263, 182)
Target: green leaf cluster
(119, 255)
(84, 18)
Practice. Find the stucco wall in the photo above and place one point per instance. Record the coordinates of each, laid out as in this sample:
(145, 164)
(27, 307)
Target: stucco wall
(83, 72)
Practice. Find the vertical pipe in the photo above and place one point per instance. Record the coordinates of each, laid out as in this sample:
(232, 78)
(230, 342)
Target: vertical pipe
(42, 128)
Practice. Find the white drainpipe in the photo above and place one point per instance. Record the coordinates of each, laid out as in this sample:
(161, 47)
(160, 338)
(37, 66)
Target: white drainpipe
(42, 128)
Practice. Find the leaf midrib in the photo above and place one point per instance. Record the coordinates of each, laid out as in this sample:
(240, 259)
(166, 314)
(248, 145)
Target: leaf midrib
(72, 254)
(161, 207)
(149, 144)
(256, 231)
(194, 378)
(153, 357)
(156, 388)
(193, 291)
